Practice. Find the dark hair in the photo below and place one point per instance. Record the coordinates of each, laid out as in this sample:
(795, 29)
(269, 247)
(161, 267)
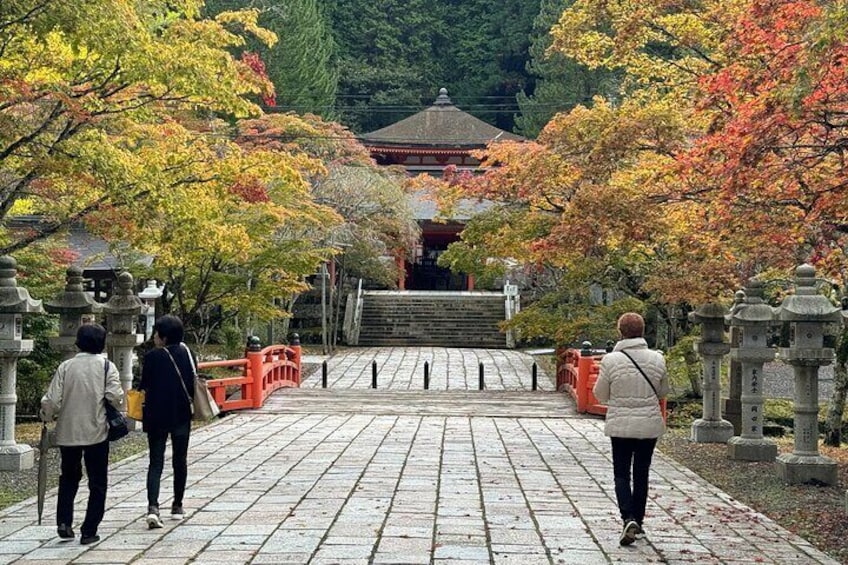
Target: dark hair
(169, 328)
(631, 325)
(91, 338)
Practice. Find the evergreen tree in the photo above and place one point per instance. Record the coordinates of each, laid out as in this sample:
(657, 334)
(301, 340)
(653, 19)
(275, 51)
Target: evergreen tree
(487, 55)
(558, 84)
(388, 58)
(302, 65)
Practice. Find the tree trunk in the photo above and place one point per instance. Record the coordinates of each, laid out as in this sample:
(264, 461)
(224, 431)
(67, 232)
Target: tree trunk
(836, 408)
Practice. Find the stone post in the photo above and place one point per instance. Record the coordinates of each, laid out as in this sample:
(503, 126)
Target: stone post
(808, 314)
(72, 305)
(14, 301)
(711, 428)
(732, 405)
(122, 311)
(752, 320)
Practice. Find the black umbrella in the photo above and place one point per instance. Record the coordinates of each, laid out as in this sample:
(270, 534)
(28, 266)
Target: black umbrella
(43, 446)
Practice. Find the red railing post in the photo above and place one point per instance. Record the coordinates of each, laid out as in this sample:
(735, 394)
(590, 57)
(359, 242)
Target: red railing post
(585, 362)
(255, 361)
(295, 346)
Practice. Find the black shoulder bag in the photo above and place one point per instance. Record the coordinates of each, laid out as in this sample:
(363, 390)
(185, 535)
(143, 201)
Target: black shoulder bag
(653, 388)
(118, 427)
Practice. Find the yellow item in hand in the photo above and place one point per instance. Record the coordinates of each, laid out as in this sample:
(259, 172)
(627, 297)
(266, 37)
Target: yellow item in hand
(135, 404)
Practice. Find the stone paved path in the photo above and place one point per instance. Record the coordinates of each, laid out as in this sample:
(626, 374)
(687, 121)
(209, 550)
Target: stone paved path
(351, 475)
(402, 368)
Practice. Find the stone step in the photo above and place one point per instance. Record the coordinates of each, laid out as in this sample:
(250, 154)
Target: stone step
(431, 342)
(439, 319)
(483, 403)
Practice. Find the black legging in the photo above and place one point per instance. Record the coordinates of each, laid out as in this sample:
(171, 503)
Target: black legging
(635, 453)
(156, 441)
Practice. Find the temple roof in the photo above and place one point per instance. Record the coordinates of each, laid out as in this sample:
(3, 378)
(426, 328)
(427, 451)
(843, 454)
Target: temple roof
(440, 125)
(93, 253)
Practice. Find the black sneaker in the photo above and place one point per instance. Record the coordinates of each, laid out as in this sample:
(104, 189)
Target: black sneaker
(628, 534)
(177, 512)
(641, 533)
(65, 531)
(86, 540)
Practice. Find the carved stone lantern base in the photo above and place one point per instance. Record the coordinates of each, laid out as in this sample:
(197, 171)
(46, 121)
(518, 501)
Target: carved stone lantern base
(799, 469)
(711, 431)
(749, 449)
(16, 457)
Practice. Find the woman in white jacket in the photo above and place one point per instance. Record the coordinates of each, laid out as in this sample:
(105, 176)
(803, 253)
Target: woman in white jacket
(631, 382)
(75, 400)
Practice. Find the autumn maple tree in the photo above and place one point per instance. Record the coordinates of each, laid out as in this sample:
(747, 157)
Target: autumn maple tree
(376, 220)
(82, 84)
(771, 169)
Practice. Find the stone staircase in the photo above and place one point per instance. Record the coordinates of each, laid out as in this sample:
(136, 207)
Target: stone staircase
(441, 319)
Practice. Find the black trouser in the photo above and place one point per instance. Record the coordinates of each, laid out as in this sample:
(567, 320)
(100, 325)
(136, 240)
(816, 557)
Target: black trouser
(96, 464)
(632, 453)
(179, 451)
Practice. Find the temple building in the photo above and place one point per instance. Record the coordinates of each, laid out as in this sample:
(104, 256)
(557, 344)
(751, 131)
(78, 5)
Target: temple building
(427, 143)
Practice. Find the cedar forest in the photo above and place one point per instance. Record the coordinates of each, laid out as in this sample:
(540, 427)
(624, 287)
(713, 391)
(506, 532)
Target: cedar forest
(674, 149)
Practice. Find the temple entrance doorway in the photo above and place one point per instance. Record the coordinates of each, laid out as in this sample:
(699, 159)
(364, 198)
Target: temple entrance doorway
(425, 273)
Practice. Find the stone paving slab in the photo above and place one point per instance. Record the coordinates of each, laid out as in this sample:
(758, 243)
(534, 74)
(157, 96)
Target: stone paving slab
(298, 483)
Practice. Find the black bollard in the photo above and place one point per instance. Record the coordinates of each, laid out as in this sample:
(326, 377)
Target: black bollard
(481, 376)
(373, 374)
(324, 374)
(535, 384)
(426, 375)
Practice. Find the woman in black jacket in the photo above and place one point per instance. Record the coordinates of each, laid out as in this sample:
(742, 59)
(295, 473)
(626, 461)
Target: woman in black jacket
(167, 379)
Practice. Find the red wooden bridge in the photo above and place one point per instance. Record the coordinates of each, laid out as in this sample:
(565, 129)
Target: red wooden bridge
(262, 372)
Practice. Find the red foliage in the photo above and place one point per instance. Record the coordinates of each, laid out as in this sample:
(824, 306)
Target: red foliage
(63, 255)
(774, 149)
(250, 189)
(254, 61)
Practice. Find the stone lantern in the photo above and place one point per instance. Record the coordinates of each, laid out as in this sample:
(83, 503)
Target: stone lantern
(14, 301)
(810, 317)
(122, 311)
(711, 428)
(752, 318)
(149, 295)
(73, 305)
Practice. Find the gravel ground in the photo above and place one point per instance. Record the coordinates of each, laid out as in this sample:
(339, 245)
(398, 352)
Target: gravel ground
(780, 382)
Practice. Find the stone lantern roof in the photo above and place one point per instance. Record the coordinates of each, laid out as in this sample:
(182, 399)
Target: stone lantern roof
(440, 125)
(807, 305)
(15, 299)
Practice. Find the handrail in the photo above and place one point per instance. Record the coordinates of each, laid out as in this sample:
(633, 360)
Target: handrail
(512, 306)
(263, 372)
(357, 315)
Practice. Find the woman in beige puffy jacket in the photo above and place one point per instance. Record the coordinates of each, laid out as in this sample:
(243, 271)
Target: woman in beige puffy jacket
(634, 419)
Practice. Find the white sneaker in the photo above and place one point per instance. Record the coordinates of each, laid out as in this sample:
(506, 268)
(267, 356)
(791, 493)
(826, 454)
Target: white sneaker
(154, 521)
(628, 534)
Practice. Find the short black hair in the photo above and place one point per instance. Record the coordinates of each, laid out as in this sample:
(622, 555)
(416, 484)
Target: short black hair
(91, 338)
(169, 328)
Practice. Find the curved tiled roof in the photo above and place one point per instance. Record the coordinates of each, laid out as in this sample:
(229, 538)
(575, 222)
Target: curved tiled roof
(440, 125)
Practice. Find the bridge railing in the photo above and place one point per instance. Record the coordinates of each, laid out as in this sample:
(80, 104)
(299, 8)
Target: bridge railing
(577, 372)
(262, 372)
